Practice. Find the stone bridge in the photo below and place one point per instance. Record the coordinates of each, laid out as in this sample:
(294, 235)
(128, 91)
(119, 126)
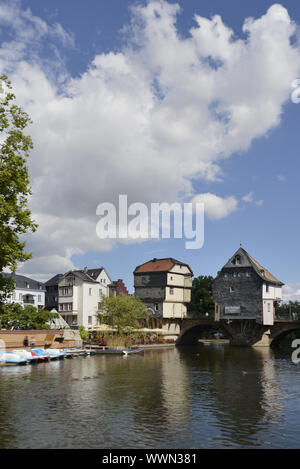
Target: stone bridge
(240, 332)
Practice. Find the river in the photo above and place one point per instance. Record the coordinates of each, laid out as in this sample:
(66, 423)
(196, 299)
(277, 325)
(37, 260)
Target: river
(212, 396)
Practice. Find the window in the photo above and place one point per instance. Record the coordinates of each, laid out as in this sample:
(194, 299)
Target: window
(231, 289)
(39, 298)
(20, 296)
(171, 278)
(267, 288)
(156, 306)
(171, 291)
(61, 307)
(90, 291)
(248, 274)
(269, 307)
(66, 291)
(234, 274)
(225, 275)
(90, 320)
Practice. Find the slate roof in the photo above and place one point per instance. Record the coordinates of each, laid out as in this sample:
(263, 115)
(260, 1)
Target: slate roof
(159, 265)
(53, 281)
(249, 261)
(82, 275)
(22, 282)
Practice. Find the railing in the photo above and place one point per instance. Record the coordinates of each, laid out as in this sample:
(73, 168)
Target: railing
(290, 317)
(28, 302)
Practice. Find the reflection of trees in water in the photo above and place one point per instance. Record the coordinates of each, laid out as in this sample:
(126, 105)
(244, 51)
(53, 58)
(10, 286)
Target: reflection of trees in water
(154, 388)
(241, 389)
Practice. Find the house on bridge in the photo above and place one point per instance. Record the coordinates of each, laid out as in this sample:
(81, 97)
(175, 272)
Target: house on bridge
(243, 289)
(164, 285)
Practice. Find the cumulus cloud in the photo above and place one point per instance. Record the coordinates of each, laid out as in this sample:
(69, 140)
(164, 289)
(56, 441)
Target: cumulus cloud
(146, 120)
(216, 207)
(291, 292)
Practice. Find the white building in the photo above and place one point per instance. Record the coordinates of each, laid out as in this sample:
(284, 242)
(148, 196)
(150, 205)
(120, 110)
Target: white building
(27, 291)
(79, 294)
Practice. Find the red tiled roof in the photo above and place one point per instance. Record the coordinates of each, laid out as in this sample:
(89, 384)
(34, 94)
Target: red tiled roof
(159, 265)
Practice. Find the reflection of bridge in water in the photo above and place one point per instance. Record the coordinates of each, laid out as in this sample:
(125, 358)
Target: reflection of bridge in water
(239, 332)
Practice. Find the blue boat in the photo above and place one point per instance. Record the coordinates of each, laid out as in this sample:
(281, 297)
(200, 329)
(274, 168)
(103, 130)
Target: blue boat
(40, 353)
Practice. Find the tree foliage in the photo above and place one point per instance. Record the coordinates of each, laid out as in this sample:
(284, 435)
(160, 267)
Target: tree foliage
(14, 315)
(122, 312)
(201, 297)
(290, 310)
(15, 217)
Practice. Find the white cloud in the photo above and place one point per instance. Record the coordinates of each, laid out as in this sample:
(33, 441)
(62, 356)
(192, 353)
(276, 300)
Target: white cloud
(143, 121)
(281, 178)
(248, 197)
(259, 203)
(291, 292)
(216, 207)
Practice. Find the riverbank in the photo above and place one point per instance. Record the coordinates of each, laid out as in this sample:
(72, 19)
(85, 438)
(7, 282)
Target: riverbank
(40, 338)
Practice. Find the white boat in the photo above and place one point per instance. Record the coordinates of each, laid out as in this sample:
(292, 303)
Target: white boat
(11, 358)
(55, 353)
(26, 354)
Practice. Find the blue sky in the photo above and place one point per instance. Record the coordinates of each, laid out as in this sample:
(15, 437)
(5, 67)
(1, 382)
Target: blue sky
(261, 166)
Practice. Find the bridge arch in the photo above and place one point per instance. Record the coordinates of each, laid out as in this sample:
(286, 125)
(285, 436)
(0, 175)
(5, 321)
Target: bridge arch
(278, 334)
(190, 334)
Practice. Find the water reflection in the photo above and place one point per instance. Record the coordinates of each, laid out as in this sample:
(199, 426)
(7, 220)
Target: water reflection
(190, 397)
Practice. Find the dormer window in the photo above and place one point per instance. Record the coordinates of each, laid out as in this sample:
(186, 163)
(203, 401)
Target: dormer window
(236, 260)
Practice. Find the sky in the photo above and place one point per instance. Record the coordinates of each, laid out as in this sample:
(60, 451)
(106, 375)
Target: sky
(164, 101)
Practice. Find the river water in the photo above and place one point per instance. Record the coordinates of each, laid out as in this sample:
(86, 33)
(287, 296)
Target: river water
(213, 396)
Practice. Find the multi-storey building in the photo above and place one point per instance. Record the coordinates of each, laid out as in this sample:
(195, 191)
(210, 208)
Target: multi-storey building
(79, 294)
(27, 291)
(243, 289)
(164, 285)
(51, 297)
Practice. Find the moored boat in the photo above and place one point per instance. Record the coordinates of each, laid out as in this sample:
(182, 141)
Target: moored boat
(55, 353)
(11, 358)
(111, 351)
(40, 353)
(26, 354)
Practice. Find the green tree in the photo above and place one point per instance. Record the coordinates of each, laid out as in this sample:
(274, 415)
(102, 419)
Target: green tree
(290, 310)
(15, 217)
(14, 315)
(84, 334)
(122, 312)
(201, 297)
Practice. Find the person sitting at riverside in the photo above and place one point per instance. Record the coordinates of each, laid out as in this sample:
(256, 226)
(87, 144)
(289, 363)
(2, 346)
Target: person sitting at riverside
(26, 341)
